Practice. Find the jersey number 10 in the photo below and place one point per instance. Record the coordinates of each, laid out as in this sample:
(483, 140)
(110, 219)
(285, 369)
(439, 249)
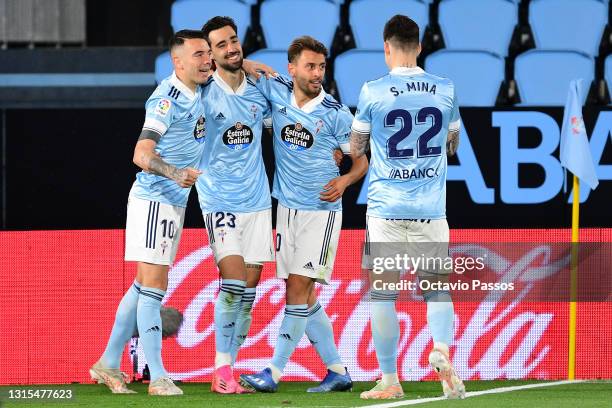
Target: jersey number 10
(423, 150)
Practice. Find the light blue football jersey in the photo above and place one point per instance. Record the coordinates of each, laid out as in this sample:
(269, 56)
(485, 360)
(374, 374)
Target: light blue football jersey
(233, 173)
(304, 143)
(408, 114)
(177, 115)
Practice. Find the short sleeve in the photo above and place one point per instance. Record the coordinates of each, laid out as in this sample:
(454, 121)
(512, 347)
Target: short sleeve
(158, 115)
(342, 130)
(454, 124)
(263, 85)
(363, 116)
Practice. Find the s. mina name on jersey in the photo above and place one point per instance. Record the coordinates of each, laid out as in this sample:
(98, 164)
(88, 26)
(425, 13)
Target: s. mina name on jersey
(415, 87)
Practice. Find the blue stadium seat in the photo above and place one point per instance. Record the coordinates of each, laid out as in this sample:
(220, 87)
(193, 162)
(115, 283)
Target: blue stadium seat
(284, 20)
(251, 2)
(368, 18)
(478, 25)
(353, 68)
(543, 77)
(192, 14)
(277, 59)
(477, 74)
(163, 66)
(608, 72)
(568, 24)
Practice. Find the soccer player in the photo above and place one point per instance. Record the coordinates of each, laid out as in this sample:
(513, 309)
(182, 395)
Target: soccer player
(413, 120)
(168, 151)
(308, 126)
(234, 194)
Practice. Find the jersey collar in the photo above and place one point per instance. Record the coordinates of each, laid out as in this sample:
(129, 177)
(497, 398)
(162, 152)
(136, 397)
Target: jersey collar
(309, 106)
(174, 80)
(407, 71)
(228, 89)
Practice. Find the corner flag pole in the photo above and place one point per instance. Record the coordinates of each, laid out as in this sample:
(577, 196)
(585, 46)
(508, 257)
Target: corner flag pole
(571, 366)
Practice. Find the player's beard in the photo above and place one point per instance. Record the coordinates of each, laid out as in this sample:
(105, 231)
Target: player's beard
(230, 66)
(306, 88)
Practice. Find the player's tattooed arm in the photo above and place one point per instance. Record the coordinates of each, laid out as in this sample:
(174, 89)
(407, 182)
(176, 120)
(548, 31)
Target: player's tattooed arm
(359, 143)
(452, 142)
(147, 159)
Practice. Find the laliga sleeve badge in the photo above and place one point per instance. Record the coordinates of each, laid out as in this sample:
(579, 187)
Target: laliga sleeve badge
(163, 107)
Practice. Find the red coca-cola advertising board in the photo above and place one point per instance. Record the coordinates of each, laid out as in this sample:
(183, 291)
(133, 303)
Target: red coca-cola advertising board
(60, 290)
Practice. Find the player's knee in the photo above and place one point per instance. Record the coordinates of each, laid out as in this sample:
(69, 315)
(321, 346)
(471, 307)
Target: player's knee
(298, 289)
(153, 276)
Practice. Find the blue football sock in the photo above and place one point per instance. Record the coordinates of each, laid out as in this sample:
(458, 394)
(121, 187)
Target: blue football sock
(150, 329)
(290, 333)
(123, 328)
(243, 321)
(440, 316)
(385, 329)
(321, 335)
(226, 312)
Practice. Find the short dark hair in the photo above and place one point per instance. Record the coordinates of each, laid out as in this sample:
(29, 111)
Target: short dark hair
(180, 36)
(305, 42)
(216, 23)
(402, 31)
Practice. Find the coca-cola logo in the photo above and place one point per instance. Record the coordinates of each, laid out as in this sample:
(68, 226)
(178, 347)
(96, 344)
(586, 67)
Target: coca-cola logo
(496, 337)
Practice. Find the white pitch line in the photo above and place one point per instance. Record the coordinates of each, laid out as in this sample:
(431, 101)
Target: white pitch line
(474, 394)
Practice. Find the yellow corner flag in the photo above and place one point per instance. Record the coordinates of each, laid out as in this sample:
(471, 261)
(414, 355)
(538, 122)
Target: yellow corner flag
(575, 155)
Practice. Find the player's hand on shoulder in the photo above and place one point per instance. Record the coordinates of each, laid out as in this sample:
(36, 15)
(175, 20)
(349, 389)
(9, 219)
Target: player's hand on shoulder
(187, 177)
(333, 190)
(255, 69)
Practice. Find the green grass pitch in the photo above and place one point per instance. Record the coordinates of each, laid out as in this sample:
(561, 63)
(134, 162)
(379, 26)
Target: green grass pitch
(579, 395)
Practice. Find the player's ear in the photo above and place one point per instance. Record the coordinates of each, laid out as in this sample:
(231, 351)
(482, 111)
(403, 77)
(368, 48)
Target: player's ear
(418, 49)
(291, 69)
(387, 48)
(176, 61)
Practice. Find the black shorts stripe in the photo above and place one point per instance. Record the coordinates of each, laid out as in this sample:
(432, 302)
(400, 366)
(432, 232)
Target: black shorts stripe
(209, 228)
(156, 218)
(327, 237)
(367, 240)
(148, 233)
